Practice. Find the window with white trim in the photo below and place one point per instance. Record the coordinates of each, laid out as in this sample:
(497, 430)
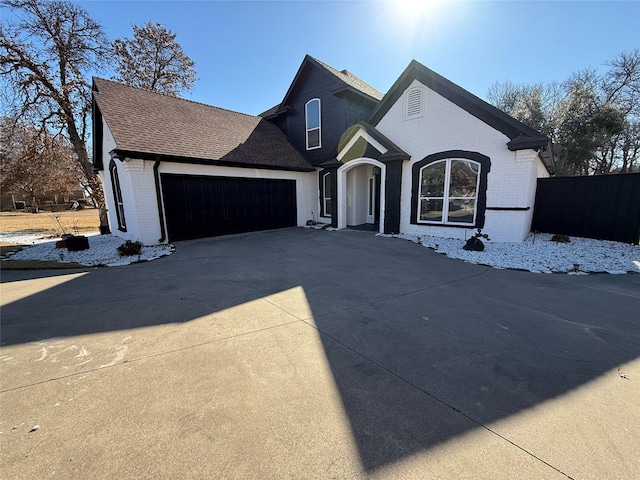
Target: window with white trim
(414, 103)
(313, 124)
(449, 192)
(326, 195)
(117, 196)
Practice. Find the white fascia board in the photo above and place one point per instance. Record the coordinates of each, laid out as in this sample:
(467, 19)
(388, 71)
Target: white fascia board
(360, 134)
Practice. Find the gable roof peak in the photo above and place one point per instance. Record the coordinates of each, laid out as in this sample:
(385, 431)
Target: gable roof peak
(456, 94)
(346, 78)
(521, 135)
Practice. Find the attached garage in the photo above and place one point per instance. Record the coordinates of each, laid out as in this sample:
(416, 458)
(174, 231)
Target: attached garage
(188, 170)
(204, 206)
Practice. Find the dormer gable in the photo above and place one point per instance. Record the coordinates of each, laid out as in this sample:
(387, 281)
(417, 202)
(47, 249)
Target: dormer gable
(341, 82)
(319, 105)
(406, 89)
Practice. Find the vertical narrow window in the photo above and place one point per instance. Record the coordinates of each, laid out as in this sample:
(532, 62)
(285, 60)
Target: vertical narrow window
(326, 195)
(448, 192)
(117, 196)
(413, 103)
(312, 118)
(372, 198)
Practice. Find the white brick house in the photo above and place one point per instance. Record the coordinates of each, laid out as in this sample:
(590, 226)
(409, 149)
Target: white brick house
(447, 163)
(432, 159)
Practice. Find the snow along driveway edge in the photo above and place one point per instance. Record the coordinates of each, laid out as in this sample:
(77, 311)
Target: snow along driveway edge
(103, 251)
(538, 254)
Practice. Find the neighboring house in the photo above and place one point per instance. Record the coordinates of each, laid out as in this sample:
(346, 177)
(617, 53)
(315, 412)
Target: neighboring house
(427, 158)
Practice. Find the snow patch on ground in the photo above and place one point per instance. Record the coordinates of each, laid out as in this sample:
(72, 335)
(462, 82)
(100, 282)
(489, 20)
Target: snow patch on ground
(537, 253)
(103, 250)
(22, 238)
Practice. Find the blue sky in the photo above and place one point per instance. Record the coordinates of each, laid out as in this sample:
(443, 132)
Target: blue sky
(247, 52)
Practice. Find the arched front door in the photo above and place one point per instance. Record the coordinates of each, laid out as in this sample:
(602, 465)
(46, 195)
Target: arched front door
(361, 185)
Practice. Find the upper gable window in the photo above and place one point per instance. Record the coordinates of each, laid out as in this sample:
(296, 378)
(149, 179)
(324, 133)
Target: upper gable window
(313, 127)
(414, 103)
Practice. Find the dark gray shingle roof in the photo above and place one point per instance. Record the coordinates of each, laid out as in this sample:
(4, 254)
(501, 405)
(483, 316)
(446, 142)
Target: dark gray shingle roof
(351, 80)
(151, 123)
(348, 79)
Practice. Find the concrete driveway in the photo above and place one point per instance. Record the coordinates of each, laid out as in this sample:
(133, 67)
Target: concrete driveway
(310, 354)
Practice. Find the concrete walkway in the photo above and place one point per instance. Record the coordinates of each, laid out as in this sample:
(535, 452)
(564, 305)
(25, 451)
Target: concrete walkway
(309, 354)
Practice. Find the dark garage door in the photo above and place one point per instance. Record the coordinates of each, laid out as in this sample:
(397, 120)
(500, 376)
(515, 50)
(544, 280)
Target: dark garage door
(198, 206)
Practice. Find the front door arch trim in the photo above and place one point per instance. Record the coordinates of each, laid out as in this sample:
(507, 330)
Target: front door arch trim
(342, 188)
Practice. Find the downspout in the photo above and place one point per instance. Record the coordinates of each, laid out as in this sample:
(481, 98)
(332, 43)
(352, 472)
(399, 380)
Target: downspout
(156, 177)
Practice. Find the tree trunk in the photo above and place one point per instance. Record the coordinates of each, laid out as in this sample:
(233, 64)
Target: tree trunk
(80, 149)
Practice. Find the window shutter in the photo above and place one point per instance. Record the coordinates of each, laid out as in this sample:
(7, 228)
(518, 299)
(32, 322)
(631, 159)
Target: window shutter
(414, 102)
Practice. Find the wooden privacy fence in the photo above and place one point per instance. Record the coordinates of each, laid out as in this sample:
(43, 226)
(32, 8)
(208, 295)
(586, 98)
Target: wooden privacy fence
(606, 207)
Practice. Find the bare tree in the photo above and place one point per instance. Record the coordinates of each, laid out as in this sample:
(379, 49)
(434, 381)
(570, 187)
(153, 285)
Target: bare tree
(36, 162)
(594, 117)
(534, 105)
(153, 60)
(44, 58)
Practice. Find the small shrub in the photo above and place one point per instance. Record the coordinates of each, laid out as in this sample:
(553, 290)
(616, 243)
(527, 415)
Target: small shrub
(129, 248)
(561, 238)
(480, 235)
(475, 244)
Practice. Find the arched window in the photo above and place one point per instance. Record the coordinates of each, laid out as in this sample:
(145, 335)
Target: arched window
(450, 188)
(449, 191)
(313, 124)
(117, 196)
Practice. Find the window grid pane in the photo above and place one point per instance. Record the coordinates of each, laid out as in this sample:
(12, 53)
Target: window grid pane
(433, 180)
(313, 114)
(464, 179)
(431, 209)
(313, 138)
(461, 210)
(327, 186)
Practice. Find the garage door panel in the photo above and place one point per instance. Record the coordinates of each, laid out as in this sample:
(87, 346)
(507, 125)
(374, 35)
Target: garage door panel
(197, 206)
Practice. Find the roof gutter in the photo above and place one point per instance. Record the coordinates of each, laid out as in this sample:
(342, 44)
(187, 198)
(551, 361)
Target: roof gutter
(200, 161)
(156, 177)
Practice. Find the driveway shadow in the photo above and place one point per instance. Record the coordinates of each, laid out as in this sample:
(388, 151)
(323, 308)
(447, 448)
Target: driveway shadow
(409, 334)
